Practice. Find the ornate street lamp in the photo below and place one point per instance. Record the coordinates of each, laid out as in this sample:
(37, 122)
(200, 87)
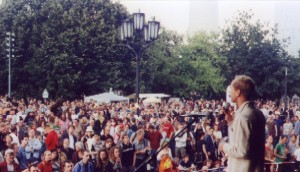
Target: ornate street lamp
(132, 30)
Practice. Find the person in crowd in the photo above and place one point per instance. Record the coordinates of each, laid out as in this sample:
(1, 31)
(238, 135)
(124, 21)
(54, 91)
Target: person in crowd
(128, 155)
(33, 147)
(8, 140)
(186, 164)
(292, 145)
(106, 134)
(64, 122)
(84, 165)
(68, 167)
(297, 127)
(246, 146)
(117, 135)
(154, 138)
(142, 146)
(69, 134)
(29, 118)
(9, 165)
(51, 139)
(287, 127)
(97, 145)
(88, 139)
(201, 153)
(77, 129)
(280, 153)
(22, 128)
(180, 143)
(22, 153)
(210, 145)
(33, 168)
(103, 163)
(297, 157)
(56, 164)
(207, 164)
(108, 144)
(79, 152)
(123, 118)
(15, 148)
(269, 154)
(115, 158)
(271, 127)
(46, 165)
(14, 135)
(66, 148)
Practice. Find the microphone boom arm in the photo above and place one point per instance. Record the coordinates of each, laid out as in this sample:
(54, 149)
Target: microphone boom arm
(195, 119)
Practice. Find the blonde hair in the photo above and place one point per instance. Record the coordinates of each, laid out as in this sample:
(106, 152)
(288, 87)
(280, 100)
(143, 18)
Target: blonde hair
(245, 84)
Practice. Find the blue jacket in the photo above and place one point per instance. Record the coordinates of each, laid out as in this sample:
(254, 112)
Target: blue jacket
(79, 167)
(22, 158)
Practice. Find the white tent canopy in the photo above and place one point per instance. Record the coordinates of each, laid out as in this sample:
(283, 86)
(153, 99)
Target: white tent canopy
(152, 100)
(106, 98)
(157, 95)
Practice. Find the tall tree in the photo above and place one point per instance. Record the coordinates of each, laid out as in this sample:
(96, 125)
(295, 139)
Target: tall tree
(68, 47)
(252, 48)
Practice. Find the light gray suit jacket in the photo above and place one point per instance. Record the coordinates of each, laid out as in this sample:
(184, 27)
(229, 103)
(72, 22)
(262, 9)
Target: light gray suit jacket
(247, 140)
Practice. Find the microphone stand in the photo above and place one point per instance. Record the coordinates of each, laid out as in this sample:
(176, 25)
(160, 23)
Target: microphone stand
(195, 119)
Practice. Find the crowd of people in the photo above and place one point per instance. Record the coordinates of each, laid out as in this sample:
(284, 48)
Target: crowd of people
(77, 136)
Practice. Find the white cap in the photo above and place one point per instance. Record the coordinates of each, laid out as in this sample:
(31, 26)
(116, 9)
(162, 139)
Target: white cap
(89, 128)
(8, 151)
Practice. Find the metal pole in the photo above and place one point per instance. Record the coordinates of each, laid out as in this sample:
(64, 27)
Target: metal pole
(137, 82)
(9, 64)
(285, 91)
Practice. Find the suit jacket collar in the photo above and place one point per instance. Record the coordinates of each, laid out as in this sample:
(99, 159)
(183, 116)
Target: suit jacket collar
(240, 109)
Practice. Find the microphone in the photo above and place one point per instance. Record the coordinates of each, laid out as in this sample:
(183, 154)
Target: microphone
(226, 106)
(194, 115)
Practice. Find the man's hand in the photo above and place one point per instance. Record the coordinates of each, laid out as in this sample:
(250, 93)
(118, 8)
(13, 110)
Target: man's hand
(229, 115)
(221, 146)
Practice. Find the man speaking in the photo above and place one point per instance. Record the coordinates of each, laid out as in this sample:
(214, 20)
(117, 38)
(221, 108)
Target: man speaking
(247, 127)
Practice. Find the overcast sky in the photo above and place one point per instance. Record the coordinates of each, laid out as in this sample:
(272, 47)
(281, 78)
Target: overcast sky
(189, 16)
(178, 15)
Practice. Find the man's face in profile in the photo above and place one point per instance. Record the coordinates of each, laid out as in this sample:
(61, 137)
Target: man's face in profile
(233, 94)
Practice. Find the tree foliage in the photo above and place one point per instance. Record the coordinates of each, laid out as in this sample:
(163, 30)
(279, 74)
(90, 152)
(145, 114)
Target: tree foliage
(71, 48)
(68, 47)
(252, 48)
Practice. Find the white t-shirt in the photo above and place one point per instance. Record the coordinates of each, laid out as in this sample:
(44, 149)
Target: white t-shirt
(297, 154)
(10, 168)
(287, 127)
(71, 139)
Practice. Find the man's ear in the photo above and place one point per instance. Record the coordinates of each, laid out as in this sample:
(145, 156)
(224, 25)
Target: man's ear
(238, 92)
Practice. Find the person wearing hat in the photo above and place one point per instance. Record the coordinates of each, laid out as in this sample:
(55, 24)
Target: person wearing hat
(87, 139)
(8, 164)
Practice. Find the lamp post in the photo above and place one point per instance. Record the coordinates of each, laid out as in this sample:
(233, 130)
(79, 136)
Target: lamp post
(137, 36)
(10, 38)
(285, 91)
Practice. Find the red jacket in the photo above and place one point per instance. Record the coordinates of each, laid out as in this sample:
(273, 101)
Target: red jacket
(3, 167)
(51, 140)
(45, 166)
